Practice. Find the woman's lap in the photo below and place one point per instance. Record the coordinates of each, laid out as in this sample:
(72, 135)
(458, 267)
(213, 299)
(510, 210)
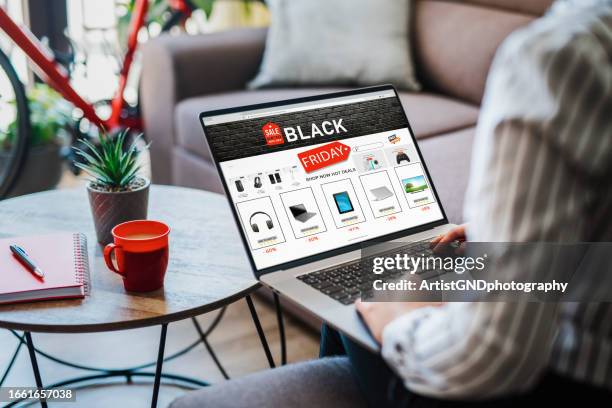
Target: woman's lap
(378, 384)
(361, 376)
(382, 388)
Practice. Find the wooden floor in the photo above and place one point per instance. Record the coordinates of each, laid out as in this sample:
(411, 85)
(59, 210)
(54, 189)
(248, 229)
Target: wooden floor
(235, 341)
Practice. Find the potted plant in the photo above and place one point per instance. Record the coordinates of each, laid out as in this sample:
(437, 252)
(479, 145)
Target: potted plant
(117, 192)
(51, 125)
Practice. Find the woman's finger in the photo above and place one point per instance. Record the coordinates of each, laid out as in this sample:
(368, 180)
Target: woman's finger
(456, 234)
(434, 241)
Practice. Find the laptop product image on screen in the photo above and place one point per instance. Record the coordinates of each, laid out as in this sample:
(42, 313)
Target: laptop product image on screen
(343, 202)
(381, 193)
(299, 213)
(317, 143)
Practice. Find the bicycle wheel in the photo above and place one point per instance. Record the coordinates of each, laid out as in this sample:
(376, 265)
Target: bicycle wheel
(14, 125)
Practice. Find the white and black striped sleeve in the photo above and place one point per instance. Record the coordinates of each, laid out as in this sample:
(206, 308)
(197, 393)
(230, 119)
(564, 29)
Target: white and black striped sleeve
(544, 139)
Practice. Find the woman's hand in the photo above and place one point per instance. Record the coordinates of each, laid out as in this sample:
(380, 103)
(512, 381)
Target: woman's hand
(441, 242)
(378, 315)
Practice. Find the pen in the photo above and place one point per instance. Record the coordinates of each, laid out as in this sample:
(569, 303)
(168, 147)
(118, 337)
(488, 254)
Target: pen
(27, 262)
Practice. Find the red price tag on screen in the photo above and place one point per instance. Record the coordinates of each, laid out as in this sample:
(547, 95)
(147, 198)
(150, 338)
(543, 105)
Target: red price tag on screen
(323, 156)
(272, 133)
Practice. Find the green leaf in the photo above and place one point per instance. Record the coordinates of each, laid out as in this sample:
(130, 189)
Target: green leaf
(92, 148)
(84, 155)
(206, 6)
(108, 162)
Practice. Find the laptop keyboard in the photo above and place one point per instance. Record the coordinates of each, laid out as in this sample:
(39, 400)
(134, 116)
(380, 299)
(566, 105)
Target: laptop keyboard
(347, 282)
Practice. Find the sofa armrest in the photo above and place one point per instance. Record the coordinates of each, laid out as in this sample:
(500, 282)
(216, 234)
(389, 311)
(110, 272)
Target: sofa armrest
(179, 67)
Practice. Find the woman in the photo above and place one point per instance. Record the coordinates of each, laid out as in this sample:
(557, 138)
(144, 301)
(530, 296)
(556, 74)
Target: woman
(540, 172)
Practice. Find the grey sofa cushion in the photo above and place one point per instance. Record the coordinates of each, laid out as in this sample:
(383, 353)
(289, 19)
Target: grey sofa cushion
(448, 160)
(429, 114)
(319, 383)
(190, 170)
(340, 42)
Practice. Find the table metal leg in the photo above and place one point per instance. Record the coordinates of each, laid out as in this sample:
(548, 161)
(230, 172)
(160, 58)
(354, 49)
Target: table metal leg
(281, 328)
(37, 377)
(213, 355)
(160, 362)
(260, 332)
(9, 367)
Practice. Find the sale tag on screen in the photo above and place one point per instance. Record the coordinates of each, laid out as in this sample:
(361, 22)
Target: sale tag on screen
(272, 133)
(323, 156)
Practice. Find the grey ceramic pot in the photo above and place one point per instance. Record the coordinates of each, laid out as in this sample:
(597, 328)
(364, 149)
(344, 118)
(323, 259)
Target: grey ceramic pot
(109, 209)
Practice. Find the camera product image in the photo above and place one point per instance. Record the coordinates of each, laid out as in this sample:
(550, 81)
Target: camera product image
(255, 225)
(370, 163)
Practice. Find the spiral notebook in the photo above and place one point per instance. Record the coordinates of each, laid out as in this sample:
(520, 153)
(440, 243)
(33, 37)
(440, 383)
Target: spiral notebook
(63, 259)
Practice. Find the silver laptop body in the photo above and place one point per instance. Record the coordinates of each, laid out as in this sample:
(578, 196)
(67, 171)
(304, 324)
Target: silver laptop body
(291, 141)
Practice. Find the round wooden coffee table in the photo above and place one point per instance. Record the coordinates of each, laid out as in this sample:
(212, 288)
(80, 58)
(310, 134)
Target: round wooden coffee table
(208, 269)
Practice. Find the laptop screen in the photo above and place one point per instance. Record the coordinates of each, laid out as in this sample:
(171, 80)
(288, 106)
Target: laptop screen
(310, 177)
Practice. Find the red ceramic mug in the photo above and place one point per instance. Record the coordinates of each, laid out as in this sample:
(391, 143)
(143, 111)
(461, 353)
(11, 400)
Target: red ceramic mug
(141, 254)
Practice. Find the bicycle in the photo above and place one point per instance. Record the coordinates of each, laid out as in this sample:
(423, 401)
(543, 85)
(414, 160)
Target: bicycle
(50, 67)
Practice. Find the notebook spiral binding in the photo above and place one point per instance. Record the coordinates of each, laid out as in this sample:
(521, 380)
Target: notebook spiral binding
(81, 261)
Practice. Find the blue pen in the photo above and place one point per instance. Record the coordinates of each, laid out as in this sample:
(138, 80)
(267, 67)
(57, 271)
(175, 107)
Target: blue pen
(27, 262)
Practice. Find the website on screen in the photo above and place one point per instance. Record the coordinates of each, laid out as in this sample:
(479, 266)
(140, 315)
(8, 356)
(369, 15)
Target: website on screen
(311, 177)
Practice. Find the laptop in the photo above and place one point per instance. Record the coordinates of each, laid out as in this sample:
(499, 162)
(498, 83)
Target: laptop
(316, 146)
(381, 193)
(299, 213)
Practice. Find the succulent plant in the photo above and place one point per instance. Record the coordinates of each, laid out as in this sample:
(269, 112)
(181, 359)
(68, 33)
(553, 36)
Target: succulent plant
(112, 167)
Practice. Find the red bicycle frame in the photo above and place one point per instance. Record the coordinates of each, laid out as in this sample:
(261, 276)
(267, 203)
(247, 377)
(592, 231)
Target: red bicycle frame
(52, 73)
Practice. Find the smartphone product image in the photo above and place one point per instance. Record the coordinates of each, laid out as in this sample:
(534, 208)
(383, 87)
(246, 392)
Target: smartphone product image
(239, 186)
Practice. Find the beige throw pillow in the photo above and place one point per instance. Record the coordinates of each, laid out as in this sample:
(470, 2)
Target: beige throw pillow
(338, 42)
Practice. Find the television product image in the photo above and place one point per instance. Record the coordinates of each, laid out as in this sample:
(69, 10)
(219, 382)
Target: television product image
(300, 213)
(414, 184)
(343, 202)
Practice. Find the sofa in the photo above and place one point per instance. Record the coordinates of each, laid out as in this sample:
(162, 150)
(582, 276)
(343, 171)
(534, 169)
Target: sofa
(453, 46)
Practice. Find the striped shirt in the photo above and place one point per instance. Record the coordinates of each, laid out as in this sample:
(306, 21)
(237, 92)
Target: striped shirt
(541, 171)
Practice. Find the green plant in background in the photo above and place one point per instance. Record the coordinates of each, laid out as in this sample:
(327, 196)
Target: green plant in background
(50, 117)
(112, 167)
(159, 12)
(207, 6)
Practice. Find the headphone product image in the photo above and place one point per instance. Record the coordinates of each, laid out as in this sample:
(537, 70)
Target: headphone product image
(254, 225)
